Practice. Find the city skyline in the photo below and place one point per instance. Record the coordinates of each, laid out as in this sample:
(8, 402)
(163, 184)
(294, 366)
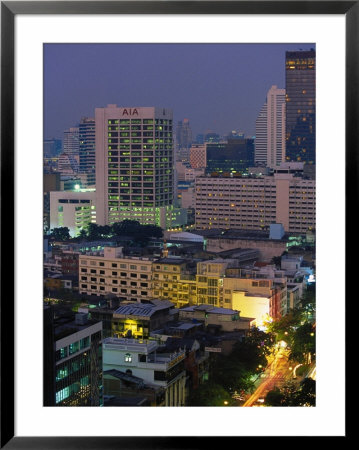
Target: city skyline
(237, 92)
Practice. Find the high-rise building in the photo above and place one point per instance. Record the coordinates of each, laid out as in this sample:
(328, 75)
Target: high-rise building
(183, 134)
(134, 165)
(300, 106)
(71, 142)
(87, 162)
(270, 130)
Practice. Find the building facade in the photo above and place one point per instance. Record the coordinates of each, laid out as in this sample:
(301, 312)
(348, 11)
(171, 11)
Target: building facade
(87, 155)
(78, 358)
(74, 210)
(270, 130)
(134, 166)
(300, 87)
(142, 359)
(111, 273)
(71, 142)
(255, 203)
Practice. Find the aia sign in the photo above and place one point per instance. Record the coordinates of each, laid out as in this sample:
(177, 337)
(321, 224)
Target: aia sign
(130, 112)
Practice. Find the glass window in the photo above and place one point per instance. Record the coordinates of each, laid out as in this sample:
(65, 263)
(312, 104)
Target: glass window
(73, 348)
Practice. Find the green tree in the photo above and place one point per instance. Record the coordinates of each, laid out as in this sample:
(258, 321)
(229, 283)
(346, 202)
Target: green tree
(93, 231)
(274, 398)
(210, 394)
(307, 393)
(60, 234)
(303, 343)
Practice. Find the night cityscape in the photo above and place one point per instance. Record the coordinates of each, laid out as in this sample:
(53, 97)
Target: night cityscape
(179, 218)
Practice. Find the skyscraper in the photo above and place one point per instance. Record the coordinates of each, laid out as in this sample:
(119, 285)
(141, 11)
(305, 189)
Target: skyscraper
(270, 129)
(87, 163)
(71, 142)
(134, 165)
(300, 106)
(183, 134)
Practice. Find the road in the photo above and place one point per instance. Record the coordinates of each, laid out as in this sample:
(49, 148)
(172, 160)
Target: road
(276, 373)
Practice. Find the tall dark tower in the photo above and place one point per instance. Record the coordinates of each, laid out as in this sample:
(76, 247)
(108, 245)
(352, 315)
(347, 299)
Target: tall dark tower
(87, 149)
(300, 106)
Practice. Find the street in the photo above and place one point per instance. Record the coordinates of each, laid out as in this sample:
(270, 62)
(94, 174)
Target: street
(277, 372)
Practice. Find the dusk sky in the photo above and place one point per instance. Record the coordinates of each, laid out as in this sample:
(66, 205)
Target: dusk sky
(219, 87)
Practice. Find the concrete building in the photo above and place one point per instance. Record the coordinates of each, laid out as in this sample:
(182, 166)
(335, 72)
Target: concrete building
(255, 203)
(173, 282)
(70, 144)
(183, 135)
(198, 156)
(137, 320)
(144, 360)
(87, 155)
(228, 320)
(78, 362)
(74, 210)
(108, 272)
(270, 130)
(134, 166)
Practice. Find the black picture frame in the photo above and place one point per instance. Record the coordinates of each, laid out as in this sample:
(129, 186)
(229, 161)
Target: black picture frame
(9, 9)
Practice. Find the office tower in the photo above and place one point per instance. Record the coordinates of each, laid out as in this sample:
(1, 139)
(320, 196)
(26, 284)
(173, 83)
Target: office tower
(87, 156)
(183, 134)
(71, 142)
(260, 148)
(300, 106)
(134, 165)
(270, 130)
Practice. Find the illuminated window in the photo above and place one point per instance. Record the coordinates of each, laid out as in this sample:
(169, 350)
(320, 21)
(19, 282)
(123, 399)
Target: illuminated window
(128, 357)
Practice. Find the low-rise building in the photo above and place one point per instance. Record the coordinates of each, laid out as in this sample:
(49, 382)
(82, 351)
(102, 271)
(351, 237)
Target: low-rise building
(142, 359)
(227, 320)
(109, 272)
(123, 389)
(72, 209)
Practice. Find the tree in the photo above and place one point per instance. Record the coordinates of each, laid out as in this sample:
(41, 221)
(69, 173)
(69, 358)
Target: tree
(93, 231)
(82, 234)
(60, 234)
(303, 343)
(210, 394)
(291, 395)
(307, 392)
(274, 398)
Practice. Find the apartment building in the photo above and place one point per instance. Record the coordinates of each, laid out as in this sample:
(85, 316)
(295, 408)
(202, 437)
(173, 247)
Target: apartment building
(144, 359)
(171, 281)
(110, 273)
(253, 203)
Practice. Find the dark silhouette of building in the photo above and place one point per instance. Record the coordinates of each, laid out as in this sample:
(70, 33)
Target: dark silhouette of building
(234, 156)
(183, 134)
(300, 106)
(87, 154)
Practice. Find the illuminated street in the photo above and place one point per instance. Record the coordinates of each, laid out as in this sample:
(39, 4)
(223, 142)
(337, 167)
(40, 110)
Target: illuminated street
(275, 374)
